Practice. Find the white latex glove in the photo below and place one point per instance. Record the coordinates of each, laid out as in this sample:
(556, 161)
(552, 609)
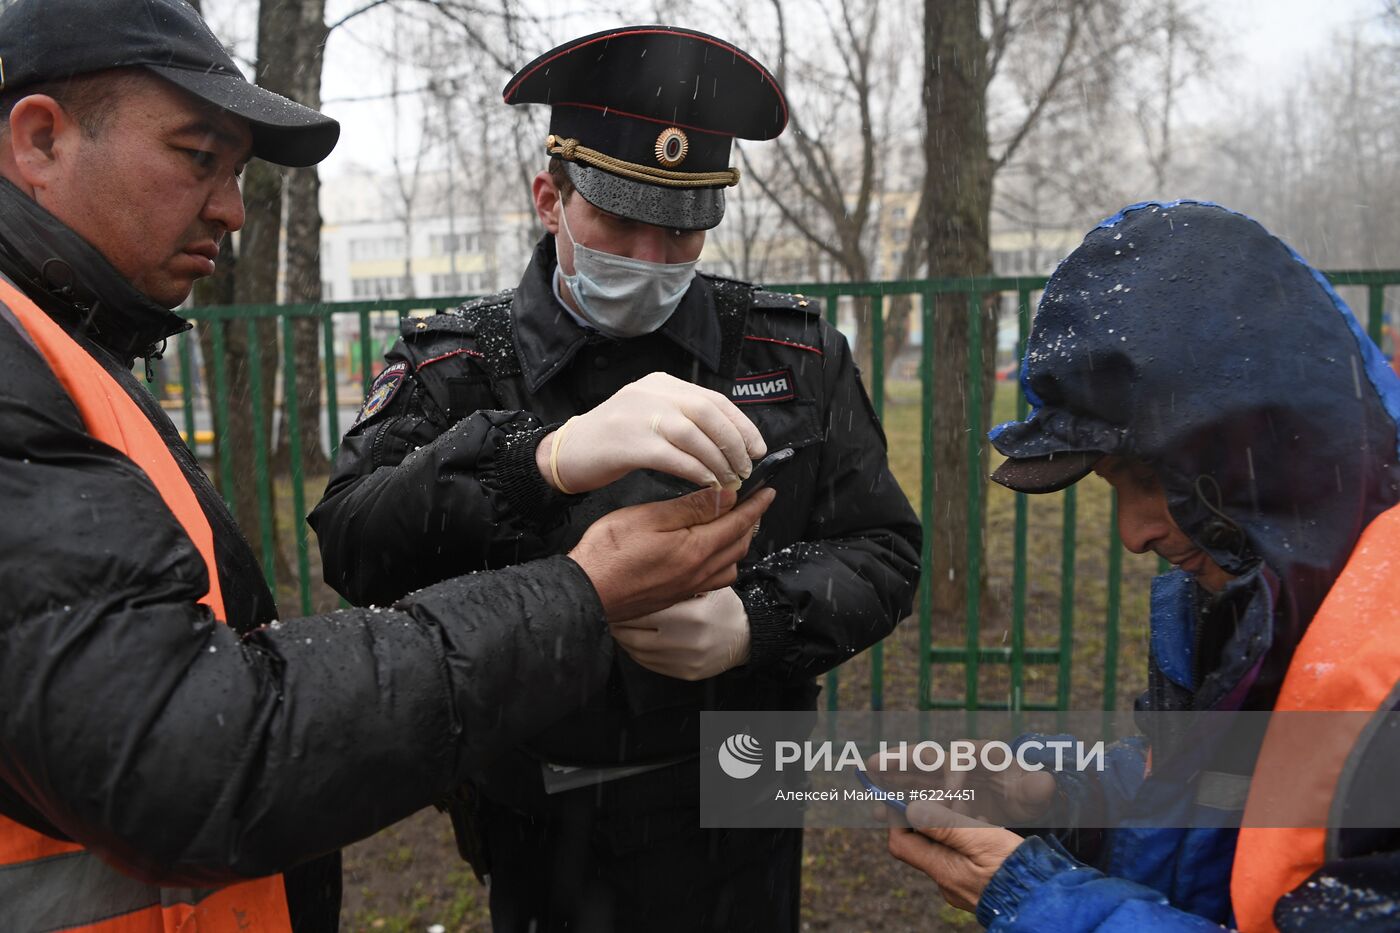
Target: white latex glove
(658, 423)
(692, 640)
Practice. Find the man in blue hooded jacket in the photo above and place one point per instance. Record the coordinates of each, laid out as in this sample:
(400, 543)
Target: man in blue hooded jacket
(1249, 428)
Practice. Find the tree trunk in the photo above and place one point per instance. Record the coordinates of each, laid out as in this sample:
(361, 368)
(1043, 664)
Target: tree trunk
(256, 283)
(304, 257)
(956, 218)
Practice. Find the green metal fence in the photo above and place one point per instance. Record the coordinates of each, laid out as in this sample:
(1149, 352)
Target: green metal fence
(374, 325)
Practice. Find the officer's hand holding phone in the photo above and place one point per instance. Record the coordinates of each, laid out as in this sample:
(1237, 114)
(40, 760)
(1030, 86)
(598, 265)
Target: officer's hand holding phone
(657, 423)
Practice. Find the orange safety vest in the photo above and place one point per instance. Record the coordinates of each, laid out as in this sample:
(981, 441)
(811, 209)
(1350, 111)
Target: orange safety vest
(51, 885)
(1348, 661)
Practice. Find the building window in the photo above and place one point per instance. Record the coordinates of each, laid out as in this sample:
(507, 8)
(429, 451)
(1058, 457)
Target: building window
(383, 286)
(385, 247)
(445, 244)
(459, 283)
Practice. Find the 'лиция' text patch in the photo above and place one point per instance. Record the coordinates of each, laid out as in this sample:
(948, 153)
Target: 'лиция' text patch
(775, 386)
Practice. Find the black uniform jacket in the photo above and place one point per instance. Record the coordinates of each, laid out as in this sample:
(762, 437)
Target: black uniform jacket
(184, 751)
(423, 490)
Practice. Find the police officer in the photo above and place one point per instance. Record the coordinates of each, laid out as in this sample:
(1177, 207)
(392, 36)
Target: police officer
(614, 374)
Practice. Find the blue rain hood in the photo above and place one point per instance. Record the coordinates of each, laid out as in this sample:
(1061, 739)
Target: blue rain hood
(1187, 336)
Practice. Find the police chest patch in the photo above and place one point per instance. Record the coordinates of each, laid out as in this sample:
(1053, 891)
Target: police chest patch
(382, 391)
(775, 386)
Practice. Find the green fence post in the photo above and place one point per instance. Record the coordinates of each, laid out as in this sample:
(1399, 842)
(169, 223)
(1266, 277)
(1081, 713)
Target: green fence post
(974, 493)
(1376, 315)
(877, 399)
(261, 475)
(1021, 529)
(292, 403)
(367, 354)
(926, 505)
(187, 389)
(1066, 598)
(332, 404)
(1115, 580)
(219, 410)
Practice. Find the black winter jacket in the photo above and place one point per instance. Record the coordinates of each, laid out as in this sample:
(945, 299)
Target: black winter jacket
(441, 479)
(184, 751)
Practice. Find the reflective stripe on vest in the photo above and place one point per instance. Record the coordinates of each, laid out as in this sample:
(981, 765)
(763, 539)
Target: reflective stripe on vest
(46, 884)
(1348, 660)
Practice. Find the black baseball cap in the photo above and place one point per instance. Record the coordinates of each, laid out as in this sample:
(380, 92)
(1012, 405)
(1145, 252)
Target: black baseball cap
(645, 118)
(50, 40)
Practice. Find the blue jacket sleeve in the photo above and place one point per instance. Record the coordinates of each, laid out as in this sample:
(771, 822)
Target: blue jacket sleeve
(1040, 887)
(1086, 798)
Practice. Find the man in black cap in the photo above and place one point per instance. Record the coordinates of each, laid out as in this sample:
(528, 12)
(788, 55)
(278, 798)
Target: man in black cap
(143, 744)
(616, 374)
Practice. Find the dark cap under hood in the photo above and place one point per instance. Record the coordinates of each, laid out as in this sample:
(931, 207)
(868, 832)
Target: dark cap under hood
(1186, 336)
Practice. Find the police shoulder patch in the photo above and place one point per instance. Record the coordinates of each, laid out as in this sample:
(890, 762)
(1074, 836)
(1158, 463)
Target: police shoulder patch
(385, 386)
(764, 299)
(775, 385)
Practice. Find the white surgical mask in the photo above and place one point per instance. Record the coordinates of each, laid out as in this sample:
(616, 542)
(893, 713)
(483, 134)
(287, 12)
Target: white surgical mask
(621, 296)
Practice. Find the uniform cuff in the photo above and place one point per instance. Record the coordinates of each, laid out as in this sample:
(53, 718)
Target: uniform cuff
(515, 475)
(1033, 863)
(772, 623)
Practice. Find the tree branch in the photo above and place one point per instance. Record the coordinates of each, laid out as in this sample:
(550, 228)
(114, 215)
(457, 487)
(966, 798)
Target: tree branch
(354, 13)
(802, 227)
(1047, 92)
(1002, 31)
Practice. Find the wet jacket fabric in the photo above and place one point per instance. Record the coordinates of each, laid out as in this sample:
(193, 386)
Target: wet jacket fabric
(45, 897)
(187, 752)
(1186, 336)
(418, 493)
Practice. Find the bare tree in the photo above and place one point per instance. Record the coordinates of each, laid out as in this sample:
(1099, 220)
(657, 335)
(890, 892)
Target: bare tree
(449, 59)
(255, 283)
(303, 249)
(954, 223)
(747, 241)
(824, 177)
(1181, 50)
(836, 194)
(1314, 165)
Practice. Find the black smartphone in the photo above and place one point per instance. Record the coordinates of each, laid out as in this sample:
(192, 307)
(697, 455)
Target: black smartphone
(765, 470)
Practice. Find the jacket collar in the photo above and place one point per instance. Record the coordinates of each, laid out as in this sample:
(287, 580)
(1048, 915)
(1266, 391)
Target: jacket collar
(547, 336)
(75, 283)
